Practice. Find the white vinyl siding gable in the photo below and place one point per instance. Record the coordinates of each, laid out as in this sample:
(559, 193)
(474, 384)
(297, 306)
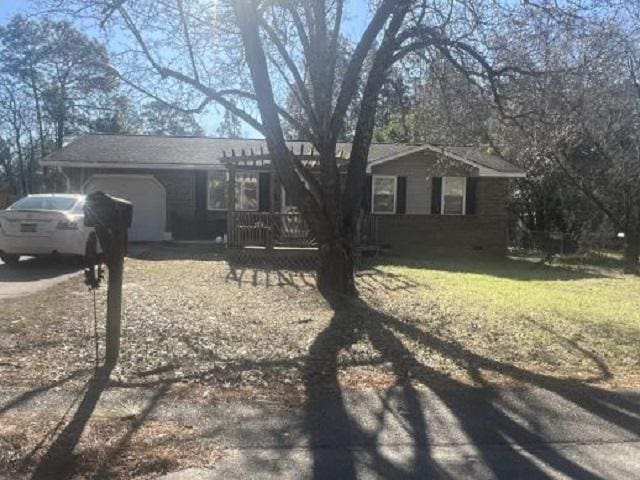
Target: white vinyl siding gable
(418, 194)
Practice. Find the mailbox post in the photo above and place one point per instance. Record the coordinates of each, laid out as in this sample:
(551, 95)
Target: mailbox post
(111, 217)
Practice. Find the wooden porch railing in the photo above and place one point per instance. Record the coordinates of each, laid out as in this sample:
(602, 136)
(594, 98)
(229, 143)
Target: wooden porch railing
(258, 229)
(263, 229)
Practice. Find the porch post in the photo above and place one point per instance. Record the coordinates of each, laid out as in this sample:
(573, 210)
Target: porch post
(272, 205)
(231, 205)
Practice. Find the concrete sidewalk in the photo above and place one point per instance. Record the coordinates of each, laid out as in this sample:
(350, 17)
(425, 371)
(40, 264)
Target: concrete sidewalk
(509, 434)
(605, 461)
(401, 433)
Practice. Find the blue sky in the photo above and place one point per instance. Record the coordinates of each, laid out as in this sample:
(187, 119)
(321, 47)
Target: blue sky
(9, 8)
(356, 18)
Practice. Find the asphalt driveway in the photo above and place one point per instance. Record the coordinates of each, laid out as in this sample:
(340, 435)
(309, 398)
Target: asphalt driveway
(34, 274)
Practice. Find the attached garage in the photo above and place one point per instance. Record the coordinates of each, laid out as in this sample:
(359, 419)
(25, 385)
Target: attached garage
(148, 197)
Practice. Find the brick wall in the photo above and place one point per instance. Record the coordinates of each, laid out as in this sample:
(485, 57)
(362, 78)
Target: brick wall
(416, 231)
(486, 230)
(413, 234)
(491, 196)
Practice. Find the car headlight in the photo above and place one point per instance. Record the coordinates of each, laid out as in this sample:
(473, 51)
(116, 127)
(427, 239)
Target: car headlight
(67, 225)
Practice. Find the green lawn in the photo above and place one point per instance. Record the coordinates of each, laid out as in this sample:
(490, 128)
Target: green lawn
(568, 319)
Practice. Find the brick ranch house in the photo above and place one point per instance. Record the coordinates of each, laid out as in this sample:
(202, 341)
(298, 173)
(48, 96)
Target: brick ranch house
(420, 197)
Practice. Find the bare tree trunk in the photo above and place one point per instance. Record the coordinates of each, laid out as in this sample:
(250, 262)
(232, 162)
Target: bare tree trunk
(336, 270)
(10, 175)
(32, 162)
(16, 124)
(331, 216)
(632, 253)
(61, 117)
(59, 132)
(24, 188)
(36, 97)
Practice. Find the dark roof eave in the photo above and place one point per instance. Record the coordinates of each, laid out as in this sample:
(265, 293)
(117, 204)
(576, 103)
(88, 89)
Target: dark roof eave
(134, 165)
(149, 152)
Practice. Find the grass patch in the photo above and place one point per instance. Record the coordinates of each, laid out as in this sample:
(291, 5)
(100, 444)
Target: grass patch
(561, 319)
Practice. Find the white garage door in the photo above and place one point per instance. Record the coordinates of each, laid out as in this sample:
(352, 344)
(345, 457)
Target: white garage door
(148, 197)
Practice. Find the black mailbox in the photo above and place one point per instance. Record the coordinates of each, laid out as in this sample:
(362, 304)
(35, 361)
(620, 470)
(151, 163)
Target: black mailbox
(102, 210)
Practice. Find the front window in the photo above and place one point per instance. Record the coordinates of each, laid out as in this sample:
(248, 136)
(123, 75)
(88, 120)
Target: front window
(217, 189)
(453, 195)
(384, 194)
(246, 191)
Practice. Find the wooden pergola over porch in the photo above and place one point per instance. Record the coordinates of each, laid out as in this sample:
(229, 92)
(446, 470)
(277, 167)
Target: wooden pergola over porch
(280, 226)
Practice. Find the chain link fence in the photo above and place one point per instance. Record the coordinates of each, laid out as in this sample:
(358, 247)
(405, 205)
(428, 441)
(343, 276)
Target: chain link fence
(559, 243)
(300, 259)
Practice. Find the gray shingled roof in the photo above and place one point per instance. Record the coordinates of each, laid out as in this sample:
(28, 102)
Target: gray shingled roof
(493, 162)
(192, 152)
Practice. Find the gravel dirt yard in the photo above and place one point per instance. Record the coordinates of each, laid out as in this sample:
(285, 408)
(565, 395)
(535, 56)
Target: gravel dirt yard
(189, 316)
(205, 330)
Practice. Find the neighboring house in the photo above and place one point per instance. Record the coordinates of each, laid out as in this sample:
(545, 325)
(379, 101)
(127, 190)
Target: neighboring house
(422, 197)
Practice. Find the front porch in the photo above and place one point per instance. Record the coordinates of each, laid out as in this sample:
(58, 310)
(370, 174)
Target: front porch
(271, 230)
(273, 222)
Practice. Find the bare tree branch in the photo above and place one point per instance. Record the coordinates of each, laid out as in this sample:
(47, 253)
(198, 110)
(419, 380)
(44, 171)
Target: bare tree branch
(187, 38)
(301, 87)
(364, 130)
(297, 179)
(168, 72)
(351, 78)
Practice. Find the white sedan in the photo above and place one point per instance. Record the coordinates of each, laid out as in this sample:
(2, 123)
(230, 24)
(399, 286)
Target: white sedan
(47, 224)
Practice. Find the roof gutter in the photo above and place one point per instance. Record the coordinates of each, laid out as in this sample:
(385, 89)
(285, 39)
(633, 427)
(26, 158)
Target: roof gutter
(483, 170)
(131, 166)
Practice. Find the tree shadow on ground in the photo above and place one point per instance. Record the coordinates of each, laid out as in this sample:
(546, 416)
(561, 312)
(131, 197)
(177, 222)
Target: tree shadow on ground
(283, 270)
(294, 262)
(59, 461)
(29, 395)
(485, 420)
(481, 414)
(270, 275)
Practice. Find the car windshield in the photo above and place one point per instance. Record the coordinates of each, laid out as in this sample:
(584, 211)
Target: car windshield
(45, 203)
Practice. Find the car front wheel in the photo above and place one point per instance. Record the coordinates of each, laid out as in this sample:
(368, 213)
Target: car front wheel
(10, 260)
